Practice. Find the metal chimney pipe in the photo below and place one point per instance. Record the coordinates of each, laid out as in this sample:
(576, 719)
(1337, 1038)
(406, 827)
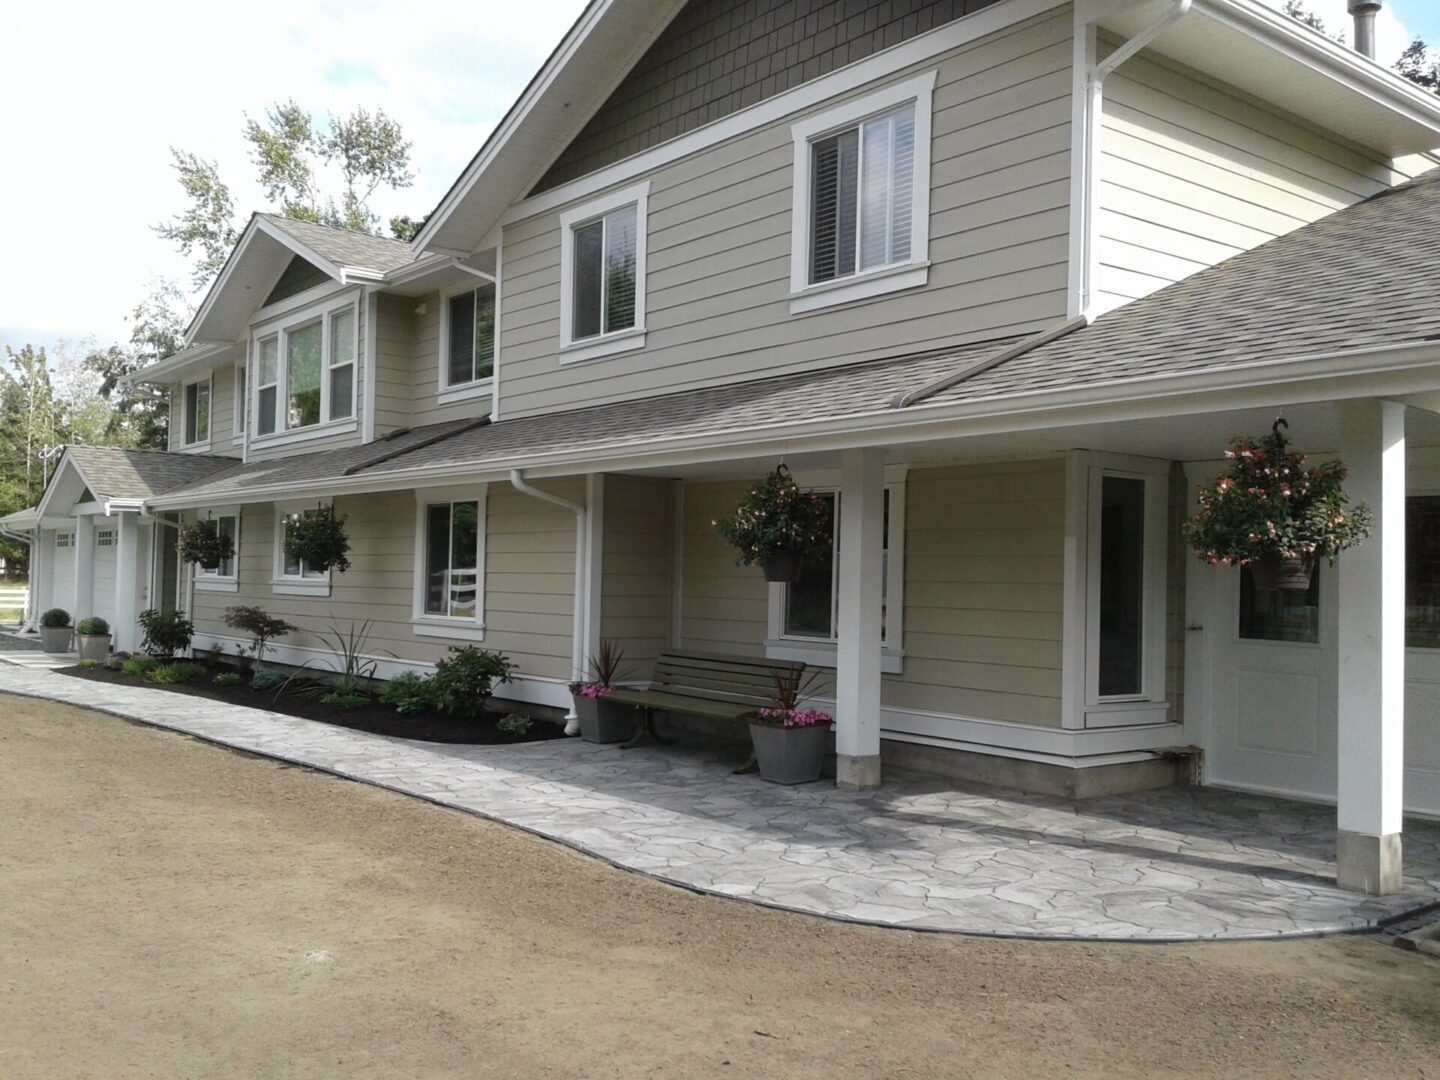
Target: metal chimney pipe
(1363, 12)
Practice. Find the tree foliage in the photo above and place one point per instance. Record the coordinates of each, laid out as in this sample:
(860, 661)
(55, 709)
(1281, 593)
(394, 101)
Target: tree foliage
(138, 415)
(206, 227)
(1422, 67)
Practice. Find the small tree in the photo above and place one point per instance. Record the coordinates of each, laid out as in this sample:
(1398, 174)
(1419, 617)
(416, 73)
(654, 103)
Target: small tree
(260, 625)
(165, 635)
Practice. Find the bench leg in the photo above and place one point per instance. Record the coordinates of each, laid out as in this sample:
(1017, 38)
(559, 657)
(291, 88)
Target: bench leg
(644, 725)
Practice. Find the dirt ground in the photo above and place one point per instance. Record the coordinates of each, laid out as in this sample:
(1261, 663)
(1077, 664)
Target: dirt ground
(174, 909)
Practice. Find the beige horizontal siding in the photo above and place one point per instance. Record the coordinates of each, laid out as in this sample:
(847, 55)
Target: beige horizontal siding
(1194, 172)
(425, 381)
(639, 538)
(718, 234)
(394, 351)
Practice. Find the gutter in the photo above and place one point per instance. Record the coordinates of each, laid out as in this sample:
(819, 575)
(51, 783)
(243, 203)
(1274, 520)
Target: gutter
(581, 614)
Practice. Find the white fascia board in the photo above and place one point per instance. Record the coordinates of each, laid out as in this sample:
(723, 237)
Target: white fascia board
(66, 461)
(280, 236)
(1321, 377)
(175, 367)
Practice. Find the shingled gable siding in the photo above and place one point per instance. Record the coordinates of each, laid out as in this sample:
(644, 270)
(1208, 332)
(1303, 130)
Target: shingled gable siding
(298, 275)
(1195, 172)
(718, 280)
(530, 566)
(984, 553)
(719, 56)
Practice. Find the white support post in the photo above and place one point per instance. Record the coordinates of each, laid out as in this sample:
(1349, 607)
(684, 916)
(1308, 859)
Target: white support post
(41, 588)
(862, 573)
(1372, 653)
(127, 588)
(84, 591)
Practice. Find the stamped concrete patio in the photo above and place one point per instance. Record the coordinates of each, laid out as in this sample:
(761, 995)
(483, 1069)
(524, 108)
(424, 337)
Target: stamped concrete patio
(920, 853)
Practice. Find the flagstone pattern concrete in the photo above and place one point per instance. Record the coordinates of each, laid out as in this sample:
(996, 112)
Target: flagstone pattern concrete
(1179, 864)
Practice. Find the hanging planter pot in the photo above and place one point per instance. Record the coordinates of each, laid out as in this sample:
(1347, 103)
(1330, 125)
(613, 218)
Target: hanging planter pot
(1274, 572)
(317, 539)
(778, 527)
(202, 543)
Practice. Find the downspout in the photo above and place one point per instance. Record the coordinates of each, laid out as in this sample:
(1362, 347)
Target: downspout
(582, 586)
(1090, 164)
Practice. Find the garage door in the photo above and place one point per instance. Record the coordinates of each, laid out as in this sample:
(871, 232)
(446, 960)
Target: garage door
(104, 574)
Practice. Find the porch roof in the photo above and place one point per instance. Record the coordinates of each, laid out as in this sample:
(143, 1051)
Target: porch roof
(113, 472)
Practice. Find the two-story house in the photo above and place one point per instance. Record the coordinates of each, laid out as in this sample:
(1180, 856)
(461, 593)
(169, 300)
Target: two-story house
(999, 277)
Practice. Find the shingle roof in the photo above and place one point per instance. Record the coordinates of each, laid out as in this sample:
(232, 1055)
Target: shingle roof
(115, 473)
(345, 247)
(1365, 276)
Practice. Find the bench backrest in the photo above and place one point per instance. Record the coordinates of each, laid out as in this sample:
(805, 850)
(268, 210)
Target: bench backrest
(746, 680)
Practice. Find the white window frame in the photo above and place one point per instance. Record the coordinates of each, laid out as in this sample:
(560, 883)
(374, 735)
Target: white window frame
(316, 583)
(427, 624)
(1149, 706)
(821, 652)
(280, 328)
(186, 442)
(909, 274)
(64, 540)
(592, 348)
(448, 393)
(214, 580)
(240, 391)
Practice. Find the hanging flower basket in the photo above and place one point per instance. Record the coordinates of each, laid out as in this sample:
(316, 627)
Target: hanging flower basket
(318, 540)
(201, 542)
(1270, 513)
(778, 527)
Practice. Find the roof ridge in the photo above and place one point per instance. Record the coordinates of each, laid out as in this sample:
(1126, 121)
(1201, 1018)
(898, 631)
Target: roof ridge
(333, 228)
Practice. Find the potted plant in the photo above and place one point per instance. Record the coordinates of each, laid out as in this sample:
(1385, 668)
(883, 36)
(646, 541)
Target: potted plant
(203, 543)
(603, 721)
(790, 742)
(55, 630)
(94, 636)
(318, 540)
(1270, 513)
(778, 526)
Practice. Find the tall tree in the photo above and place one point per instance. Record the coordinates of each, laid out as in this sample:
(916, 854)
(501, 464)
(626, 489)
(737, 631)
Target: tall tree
(1422, 67)
(139, 414)
(206, 227)
(31, 422)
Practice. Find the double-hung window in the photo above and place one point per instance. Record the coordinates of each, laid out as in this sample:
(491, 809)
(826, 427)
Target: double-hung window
(468, 329)
(195, 413)
(305, 370)
(223, 577)
(602, 276)
(242, 402)
(861, 199)
(450, 563)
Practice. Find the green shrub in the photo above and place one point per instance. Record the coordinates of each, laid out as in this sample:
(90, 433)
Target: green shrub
(463, 680)
(262, 681)
(165, 635)
(260, 625)
(515, 724)
(408, 694)
(344, 699)
(137, 666)
(92, 627)
(89, 663)
(228, 678)
(171, 674)
(55, 619)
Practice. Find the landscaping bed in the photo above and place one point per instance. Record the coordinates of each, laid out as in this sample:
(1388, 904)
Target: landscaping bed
(374, 717)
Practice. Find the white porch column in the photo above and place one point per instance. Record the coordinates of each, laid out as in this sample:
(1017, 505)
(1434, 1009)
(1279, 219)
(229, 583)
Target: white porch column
(1372, 652)
(84, 567)
(862, 573)
(128, 554)
(40, 589)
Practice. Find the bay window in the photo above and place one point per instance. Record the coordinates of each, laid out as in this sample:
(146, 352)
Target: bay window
(305, 370)
(450, 563)
(602, 276)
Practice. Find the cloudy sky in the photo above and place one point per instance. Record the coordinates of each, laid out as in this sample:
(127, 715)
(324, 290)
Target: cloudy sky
(95, 93)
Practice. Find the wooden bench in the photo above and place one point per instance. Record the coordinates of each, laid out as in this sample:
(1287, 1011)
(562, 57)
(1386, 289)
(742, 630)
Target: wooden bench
(705, 684)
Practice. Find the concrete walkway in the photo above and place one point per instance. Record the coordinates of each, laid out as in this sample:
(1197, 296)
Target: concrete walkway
(1181, 864)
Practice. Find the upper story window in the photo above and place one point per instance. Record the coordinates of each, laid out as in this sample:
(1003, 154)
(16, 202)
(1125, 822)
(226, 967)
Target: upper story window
(861, 203)
(242, 402)
(195, 413)
(468, 351)
(305, 370)
(602, 276)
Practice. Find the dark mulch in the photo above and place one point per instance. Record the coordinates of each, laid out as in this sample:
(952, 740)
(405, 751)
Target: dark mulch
(375, 717)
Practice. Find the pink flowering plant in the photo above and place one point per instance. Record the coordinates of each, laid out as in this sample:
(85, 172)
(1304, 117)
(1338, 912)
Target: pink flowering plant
(1268, 505)
(784, 710)
(776, 516)
(604, 672)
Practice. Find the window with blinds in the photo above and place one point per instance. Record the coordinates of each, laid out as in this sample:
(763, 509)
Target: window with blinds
(862, 196)
(604, 275)
(471, 325)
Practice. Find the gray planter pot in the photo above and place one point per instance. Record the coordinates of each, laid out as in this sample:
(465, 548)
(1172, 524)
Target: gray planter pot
(602, 721)
(94, 647)
(790, 755)
(56, 639)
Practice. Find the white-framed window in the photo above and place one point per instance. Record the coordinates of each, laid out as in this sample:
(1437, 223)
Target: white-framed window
(450, 562)
(305, 371)
(602, 276)
(195, 413)
(224, 578)
(861, 201)
(104, 537)
(242, 402)
(804, 615)
(64, 539)
(292, 576)
(467, 336)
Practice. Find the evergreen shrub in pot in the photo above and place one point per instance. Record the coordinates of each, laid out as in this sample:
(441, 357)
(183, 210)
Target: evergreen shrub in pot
(778, 527)
(55, 630)
(94, 637)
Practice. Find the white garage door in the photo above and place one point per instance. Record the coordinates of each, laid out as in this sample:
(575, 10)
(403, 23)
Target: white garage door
(104, 574)
(62, 572)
